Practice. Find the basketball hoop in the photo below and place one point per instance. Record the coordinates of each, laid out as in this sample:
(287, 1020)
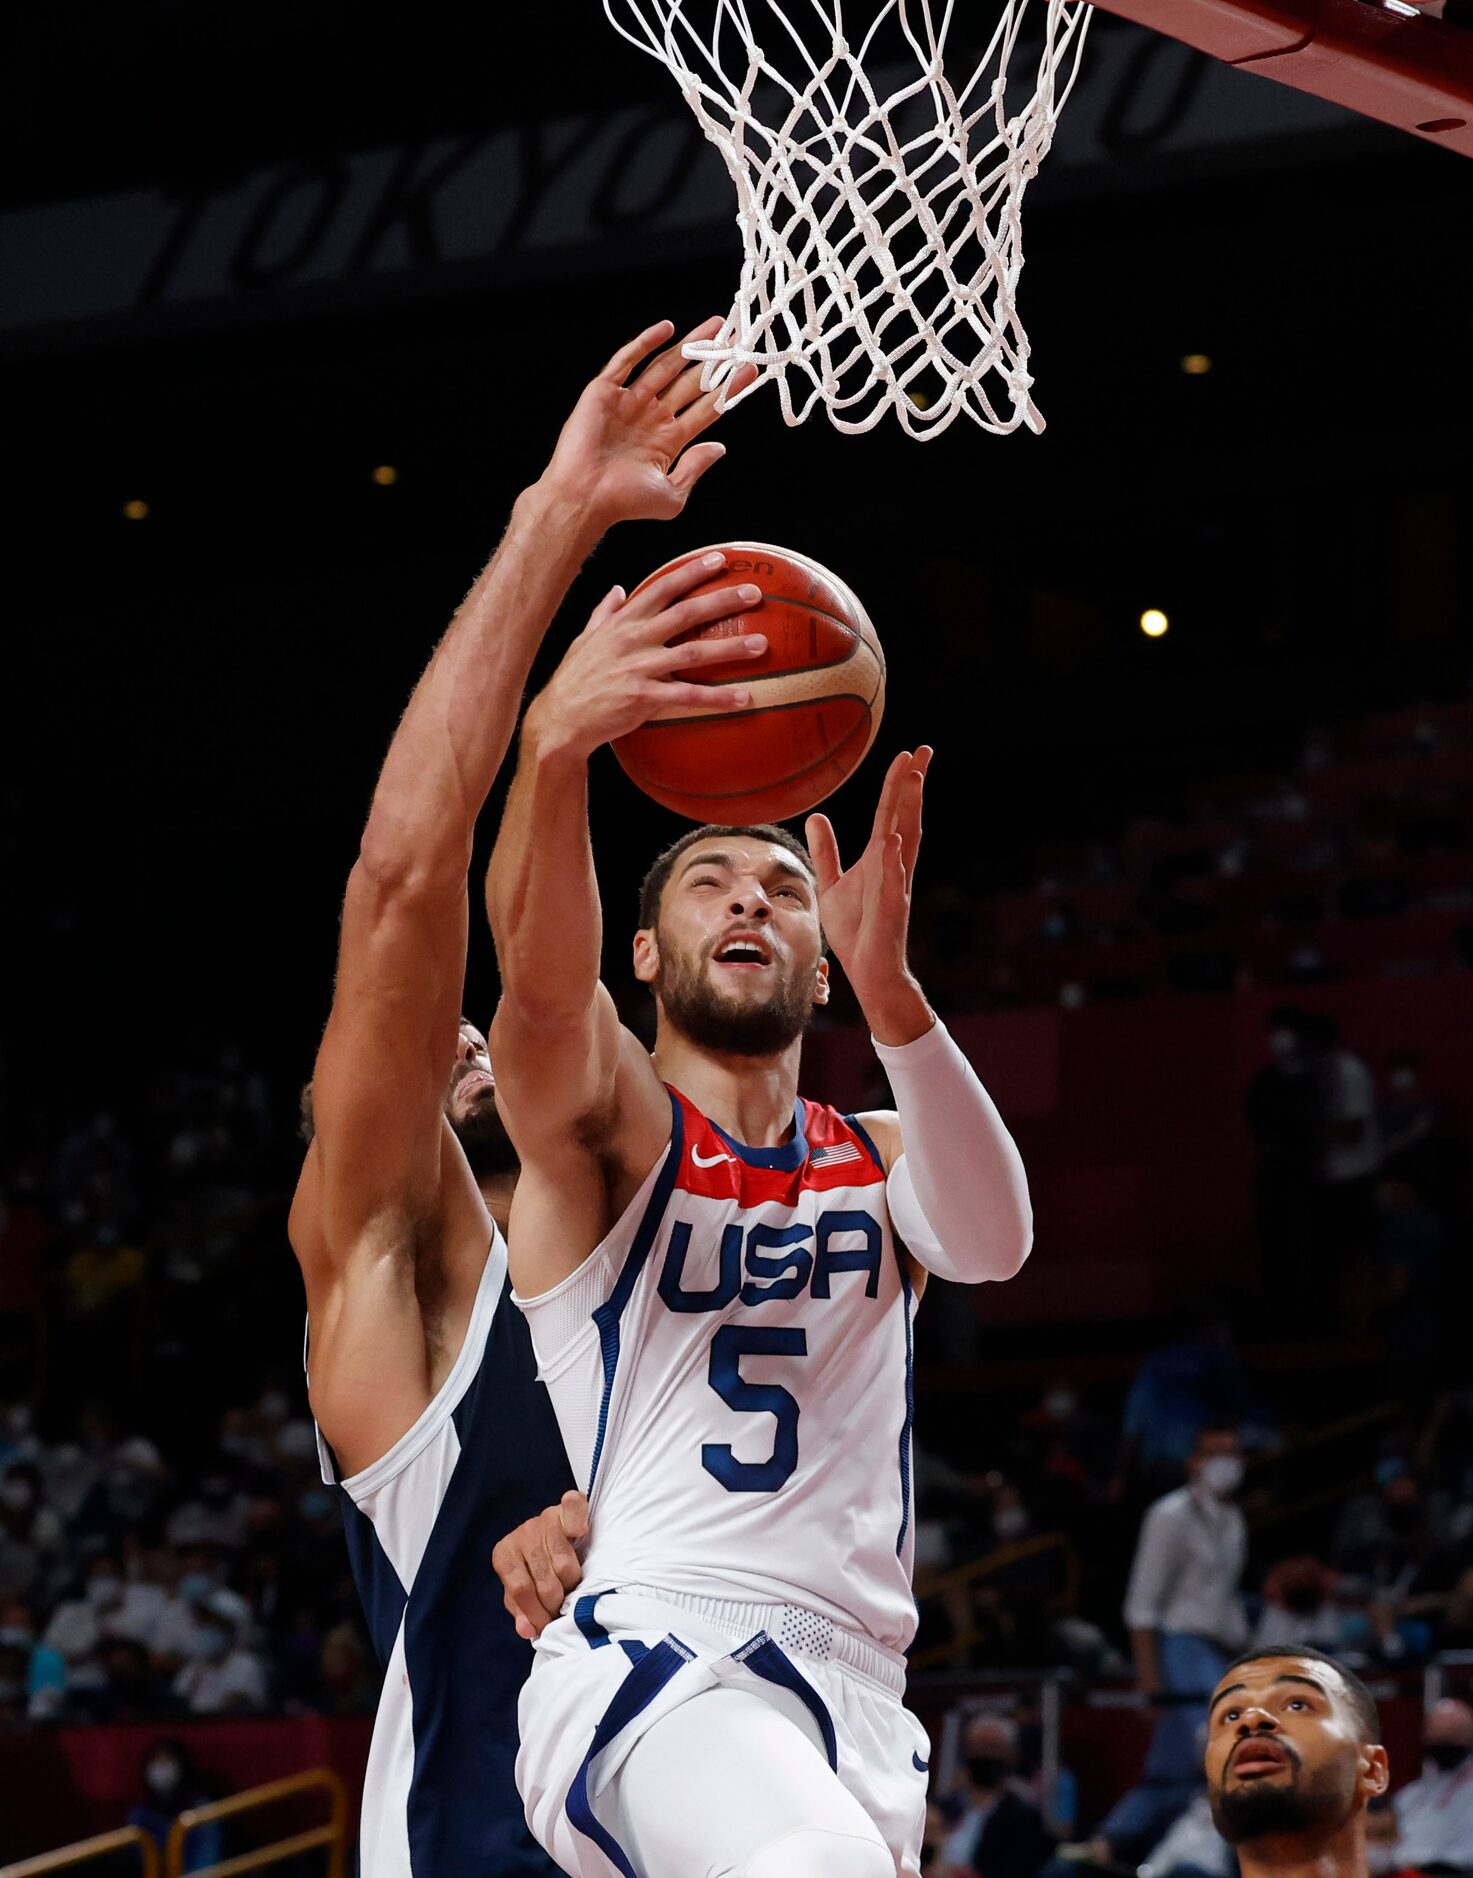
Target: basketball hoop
(879, 198)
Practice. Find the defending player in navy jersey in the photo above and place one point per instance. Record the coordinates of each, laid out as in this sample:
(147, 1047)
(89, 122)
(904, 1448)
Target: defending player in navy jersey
(421, 1375)
(721, 1309)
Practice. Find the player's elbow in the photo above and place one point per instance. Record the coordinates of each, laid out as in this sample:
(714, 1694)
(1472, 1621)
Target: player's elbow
(395, 869)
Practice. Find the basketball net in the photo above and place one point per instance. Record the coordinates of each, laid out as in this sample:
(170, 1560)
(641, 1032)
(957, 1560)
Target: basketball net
(879, 199)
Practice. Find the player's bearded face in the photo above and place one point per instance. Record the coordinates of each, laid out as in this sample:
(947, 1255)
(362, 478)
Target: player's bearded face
(470, 1109)
(1308, 1799)
(763, 1022)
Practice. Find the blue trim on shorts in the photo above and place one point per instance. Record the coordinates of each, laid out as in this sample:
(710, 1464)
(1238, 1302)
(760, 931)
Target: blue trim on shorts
(612, 1309)
(639, 1688)
(763, 1657)
(588, 1624)
(910, 1396)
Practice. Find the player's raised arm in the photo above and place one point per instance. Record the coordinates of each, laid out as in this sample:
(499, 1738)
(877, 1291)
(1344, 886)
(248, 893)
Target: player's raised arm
(958, 1192)
(389, 1048)
(556, 1035)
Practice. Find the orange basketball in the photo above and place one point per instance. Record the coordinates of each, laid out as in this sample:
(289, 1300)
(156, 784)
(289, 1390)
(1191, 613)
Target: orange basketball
(817, 695)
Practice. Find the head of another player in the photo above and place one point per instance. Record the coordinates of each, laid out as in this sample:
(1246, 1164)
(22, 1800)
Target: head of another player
(470, 1108)
(1294, 1753)
(730, 940)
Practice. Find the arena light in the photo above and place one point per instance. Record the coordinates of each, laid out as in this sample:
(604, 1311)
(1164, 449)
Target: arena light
(135, 511)
(1154, 622)
(1196, 364)
(385, 475)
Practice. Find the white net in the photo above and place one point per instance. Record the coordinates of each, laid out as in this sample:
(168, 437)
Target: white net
(879, 198)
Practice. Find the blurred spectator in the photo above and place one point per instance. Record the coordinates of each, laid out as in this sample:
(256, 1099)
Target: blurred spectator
(125, 1688)
(1350, 1155)
(1000, 1833)
(1434, 1813)
(1192, 1848)
(43, 1670)
(1300, 1606)
(1383, 1842)
(934, 1862)
(173, 1785)
(1189, 1384)
(31, 1535)
(79, 1625)
(217, 1516)
(1186, 1622)
(1282, 1110)
(227, 1676)
(1408, 1119)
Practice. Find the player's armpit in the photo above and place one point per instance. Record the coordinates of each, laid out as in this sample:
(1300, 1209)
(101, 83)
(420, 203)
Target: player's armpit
(538, 1564)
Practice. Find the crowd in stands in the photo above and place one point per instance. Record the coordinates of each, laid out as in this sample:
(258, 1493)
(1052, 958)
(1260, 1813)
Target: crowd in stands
(1357, 860)
(168, 1548)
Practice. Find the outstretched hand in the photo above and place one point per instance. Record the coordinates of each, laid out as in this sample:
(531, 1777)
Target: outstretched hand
(865, 908)
(628, 452)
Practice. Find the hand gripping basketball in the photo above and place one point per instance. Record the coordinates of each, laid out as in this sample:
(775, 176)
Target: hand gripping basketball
(622, 669)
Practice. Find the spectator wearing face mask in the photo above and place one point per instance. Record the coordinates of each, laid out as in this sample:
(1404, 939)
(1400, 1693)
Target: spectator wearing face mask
(41, 1669)
(1299, 1606)
(227, 1677)
(31, 1535)
(171, 1786)
(1000, 1835)
(80, 1625)
(217, 1516)
(1434, 1814)
(1185, 1616)
(1383, 1842)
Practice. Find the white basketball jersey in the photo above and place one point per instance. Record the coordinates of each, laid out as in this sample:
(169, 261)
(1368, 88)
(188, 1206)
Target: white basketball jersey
(731, 1372)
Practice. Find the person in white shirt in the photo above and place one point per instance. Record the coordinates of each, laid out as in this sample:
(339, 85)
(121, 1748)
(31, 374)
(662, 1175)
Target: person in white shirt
(1186, 1620)
(1435, 1812)
(228, 1677)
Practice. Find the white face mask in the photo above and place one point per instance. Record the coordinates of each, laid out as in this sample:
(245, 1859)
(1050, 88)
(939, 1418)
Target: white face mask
(1382, 1860)
(1010, 1522)
(103, 1589)
(1221, 1475)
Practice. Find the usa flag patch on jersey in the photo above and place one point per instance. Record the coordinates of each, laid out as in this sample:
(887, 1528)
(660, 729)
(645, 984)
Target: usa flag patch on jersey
(832, 1157)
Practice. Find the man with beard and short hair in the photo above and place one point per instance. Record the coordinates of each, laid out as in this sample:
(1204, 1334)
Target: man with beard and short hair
(422, 1378)
(721, 1304)
(1294, 1758)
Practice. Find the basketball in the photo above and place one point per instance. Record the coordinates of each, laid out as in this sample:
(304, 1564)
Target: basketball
(818, 692)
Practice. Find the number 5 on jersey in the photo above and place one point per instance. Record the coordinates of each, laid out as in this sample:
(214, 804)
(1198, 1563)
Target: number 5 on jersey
(728, 1346)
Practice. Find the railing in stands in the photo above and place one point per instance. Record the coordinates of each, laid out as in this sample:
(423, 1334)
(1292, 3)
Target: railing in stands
(333, 1835)
(991, 1565)
(68, 1856)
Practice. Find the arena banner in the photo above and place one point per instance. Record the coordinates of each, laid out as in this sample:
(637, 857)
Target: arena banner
(556, 199)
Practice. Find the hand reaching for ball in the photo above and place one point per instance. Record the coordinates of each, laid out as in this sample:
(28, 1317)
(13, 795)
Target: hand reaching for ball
(865, 908)
(621, 670)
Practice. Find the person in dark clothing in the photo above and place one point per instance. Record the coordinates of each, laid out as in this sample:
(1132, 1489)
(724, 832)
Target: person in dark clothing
(1001, 1834)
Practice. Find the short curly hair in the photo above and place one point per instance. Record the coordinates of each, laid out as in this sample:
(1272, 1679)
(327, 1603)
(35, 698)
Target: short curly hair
(654, 882)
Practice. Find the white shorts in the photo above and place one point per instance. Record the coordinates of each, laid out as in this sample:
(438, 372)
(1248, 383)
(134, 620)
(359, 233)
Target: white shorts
(618, 1662)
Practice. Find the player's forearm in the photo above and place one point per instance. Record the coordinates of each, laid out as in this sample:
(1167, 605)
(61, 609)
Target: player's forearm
(958, 1193)
(541, 888)
(456, 731)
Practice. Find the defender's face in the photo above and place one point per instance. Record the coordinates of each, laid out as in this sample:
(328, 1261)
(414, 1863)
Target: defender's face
(741, 917)
(1284, 1748)
(472, 1090)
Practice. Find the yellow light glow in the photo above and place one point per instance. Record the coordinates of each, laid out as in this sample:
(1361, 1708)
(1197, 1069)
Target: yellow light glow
(1196, 364)
(385, 474)
(1154, 622)
(136, 511)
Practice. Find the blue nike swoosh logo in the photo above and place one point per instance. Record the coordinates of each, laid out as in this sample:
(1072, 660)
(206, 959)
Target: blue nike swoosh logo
(921, 1767)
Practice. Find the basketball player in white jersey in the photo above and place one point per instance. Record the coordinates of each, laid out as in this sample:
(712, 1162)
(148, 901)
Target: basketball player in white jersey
(721, 1310)
(421, 1376)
